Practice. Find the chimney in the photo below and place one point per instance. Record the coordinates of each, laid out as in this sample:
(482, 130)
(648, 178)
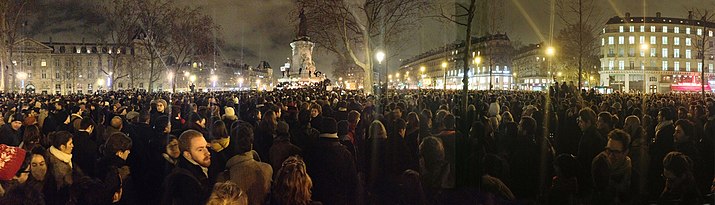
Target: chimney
(657, 14)
(690, 15)
(628, 15)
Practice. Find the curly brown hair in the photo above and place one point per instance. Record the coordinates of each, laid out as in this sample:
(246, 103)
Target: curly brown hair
(292, 185)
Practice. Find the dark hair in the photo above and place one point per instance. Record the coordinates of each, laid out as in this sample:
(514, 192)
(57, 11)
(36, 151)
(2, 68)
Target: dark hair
(23, 194)
(568, 165)
(31, 134)
(528, 124)
(687, 126)
(678, 163)
(218, 130)
(85, 123)
(449, 121)
(621, 136)
(144, 116)
(353, 116)
(587, 115)
(116, 142)
(606, 117)
(666, 113)
(244, 138)
(60, 138)
(185, 139)
(398, 124)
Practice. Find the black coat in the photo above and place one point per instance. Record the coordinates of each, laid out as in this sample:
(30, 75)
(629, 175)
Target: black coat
(158, 169)
(186, 184)
(109, 169)
(589, 146)
(85, 153)
(333, 171)
(9, 136)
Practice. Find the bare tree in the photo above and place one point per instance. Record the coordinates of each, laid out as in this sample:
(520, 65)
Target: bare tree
(357, 28)
(575, 53)
(580, 18)
(13, 16)
(467, 11)
(192, 35)
(155, 19)
(120, 29)
(704, 43)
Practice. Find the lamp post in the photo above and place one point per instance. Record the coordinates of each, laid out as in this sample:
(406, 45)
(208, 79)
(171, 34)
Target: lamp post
(170, 77)
(192, 78)
(100, 82)
(550, 51)
(380, 56)
(22, 76)
(644, 47)
(477, 61)
(444, 67)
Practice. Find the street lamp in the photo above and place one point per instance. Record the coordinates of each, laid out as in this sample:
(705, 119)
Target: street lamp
(644, 48)
(100, 82)
(444, 67)
(22, 76)
(240, 82)
(477, 60)
(550, 52)
(380, 56)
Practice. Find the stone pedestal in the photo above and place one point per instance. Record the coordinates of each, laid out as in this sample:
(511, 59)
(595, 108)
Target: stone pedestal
(302, 58)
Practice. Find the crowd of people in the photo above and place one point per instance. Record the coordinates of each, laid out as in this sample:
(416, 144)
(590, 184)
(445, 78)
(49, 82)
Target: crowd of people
(312, 146)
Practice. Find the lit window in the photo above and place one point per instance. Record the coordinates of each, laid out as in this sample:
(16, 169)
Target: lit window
(603, 43)
(676, 53)
(665, 29)
(665, 53)
(687, 66)
(621, 65)
(652, 52)
(631, 40)
(641, 40)
(43, 63)
(610, 65)
(676, 41)
(652, 40)
(633, 29)
(676, 66)
(665, 40)
(687, 30)
(710, 33)
(665, 65)
(620, 29)
(676, 29)
(642, 53)
(652, 29)
(642, 28)
(688, 42)
(710, 67)
(621, 40)
(687, 54)
(700, 67)
(610, 40)
(700, 32)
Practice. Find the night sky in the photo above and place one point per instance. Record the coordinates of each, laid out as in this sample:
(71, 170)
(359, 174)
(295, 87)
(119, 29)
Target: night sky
(258, 30)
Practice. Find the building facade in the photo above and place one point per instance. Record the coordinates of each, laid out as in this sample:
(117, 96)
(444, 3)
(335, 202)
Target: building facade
(64, 68)
(656, 54)
(490, 63)
(531, 68)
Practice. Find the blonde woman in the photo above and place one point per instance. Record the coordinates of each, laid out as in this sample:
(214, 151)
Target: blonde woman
(292, 184)
(227, 193)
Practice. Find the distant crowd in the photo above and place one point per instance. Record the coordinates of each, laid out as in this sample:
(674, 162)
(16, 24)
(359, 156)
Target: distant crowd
(312, 146)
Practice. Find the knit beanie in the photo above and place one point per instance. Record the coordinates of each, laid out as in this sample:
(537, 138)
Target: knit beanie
(11, 159)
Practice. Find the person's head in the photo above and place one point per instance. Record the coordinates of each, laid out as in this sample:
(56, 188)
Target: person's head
(160, 105)
(676, 166)
(632, 123)
(377, 130)
(227, 193)
(586, 118)
(219, 130)
(400, 127)
(116, 122)
(617, 146)
(527, 126)
(449, 121)
(31, 135)
(684, 131)
(87, 125)
(664, 114)
(244, 138)
(162, 124)
(413, 121)
(193, 147)
(682, 112)
(62, 141)
(354, 117)
(38, 164)
(16, 122)
(199, 120)
(170, 146)
(566, 165)
(432, 149)
(315, 110)
(118, 144)
(605, 121)
(293, 184)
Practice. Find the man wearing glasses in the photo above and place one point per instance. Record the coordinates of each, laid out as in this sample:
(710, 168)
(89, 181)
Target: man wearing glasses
(611, 170)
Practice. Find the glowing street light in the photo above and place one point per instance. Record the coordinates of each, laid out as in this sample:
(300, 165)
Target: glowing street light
(22, 76)
(444, 64)
(187, 74)
(380, 56)
(422, 69)
(550, 51)
(192, 78)
(644, 47)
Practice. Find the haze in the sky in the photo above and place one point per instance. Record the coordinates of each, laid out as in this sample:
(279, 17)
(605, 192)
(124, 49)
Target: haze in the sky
(256, 30)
